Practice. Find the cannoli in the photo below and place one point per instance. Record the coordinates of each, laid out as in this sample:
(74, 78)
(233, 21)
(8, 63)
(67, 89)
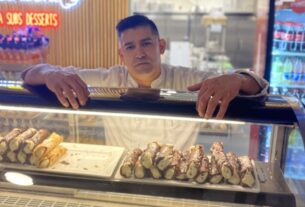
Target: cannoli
(216, 147)
(1, 156)
(164, 156)
(129, 162)
(182, 167)
(7, 138)
(15, 143)
(155, 172)
(11, 156)
(32, 159)
(139, 170)
(195, 156)
(215, 175)
(246, 170)
(21, 157)
(233, 160)
(31, 143)
(203, 170)
(47, 145)
(223, 165)
(148, 156)
(170, 172)
(51, 157)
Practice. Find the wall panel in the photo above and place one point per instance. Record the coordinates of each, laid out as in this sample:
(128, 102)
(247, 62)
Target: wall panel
(86, 36)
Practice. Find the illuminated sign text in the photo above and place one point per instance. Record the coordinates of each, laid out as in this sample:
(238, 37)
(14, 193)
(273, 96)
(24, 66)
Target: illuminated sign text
(65, 4)
(41, 19)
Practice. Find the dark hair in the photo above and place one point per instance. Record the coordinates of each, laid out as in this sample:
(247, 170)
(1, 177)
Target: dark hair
(136, 21)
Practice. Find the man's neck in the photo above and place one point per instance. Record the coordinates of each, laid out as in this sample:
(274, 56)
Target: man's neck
(146, 82)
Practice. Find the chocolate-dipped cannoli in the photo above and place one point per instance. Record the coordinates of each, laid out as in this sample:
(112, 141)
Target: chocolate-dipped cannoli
(52, 157)
(246, 170)
(223, 165)
(32, 159)
(139, 170)
(215, 175)
(129, 162)
(233, 160)
(47, 145)
(7, 138)
(216, 147)
(170, 172)
(21, 157)
(11, 156)
(182, 166)
(148, 156)
(16, 142)
(164, 156)
(1, 155)
(155, 172)
(195, 156)
(36, 139)
(203, 170)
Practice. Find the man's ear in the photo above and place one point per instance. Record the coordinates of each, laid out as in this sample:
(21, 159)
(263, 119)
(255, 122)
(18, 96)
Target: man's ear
(162, 45)
(121, 54)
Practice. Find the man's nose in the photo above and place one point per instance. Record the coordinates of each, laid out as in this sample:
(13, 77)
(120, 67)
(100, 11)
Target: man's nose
(140, 53)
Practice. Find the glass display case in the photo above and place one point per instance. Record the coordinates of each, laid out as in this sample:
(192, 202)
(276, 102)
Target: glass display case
(97, 155)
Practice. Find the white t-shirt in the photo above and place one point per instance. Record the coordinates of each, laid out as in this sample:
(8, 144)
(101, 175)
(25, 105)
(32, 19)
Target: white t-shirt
(138, 132)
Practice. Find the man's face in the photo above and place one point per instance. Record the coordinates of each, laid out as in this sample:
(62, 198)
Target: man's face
(140, 51)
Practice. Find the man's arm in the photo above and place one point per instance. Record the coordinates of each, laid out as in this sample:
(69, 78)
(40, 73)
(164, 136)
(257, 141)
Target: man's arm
(67, 86)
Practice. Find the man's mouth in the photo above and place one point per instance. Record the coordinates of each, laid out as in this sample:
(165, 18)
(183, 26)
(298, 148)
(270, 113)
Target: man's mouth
(141, 63)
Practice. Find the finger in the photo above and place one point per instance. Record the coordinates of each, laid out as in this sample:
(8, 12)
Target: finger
(202, 103)
(68, 92)
(80, 92)
(83, 85)
(223, 108)
(212, 104)
(194, 87)
(60, 96)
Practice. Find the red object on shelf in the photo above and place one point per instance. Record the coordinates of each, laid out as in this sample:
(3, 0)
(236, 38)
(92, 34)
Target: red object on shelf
(298, 6)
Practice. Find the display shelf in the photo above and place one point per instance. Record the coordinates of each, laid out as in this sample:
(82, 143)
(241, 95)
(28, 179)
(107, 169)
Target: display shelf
(297, 86)
(287, 53)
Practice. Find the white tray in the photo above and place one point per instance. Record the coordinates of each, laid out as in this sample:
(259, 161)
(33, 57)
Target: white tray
(192, 184)
(81, 159)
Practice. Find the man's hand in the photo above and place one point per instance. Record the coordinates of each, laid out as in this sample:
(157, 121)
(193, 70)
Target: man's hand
(221, 91)
(68, 87)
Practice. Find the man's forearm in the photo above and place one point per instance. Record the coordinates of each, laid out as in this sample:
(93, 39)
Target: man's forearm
(36, 74)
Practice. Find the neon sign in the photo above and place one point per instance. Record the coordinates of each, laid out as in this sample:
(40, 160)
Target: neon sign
(41, 19)
(65, 4)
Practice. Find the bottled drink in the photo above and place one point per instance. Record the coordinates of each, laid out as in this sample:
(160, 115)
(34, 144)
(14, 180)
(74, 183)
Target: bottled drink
(297, 71)
(276, 71)
(277, 34)
(299, 37)
(284, 92)
(288, 36)
(287, 70)
(296, 93)
(274, 90)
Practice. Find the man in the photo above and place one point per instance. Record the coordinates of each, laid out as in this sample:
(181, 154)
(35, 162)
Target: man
(140, 49)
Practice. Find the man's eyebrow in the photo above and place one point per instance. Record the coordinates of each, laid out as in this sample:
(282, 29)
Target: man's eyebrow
(128, 43)
(142, 40)
(145, 39)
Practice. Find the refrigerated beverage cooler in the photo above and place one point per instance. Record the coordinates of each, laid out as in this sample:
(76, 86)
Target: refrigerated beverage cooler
(286, 72)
